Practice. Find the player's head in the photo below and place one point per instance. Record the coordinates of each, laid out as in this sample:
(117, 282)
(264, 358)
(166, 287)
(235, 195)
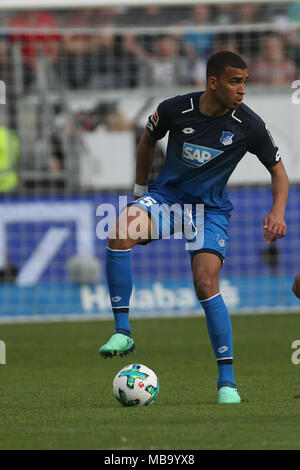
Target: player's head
(226, 73)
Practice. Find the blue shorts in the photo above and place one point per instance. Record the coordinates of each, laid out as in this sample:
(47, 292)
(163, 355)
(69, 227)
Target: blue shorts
(204, 230)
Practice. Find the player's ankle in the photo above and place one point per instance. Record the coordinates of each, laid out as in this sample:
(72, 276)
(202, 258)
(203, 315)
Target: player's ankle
(226, 383)
(123, 331)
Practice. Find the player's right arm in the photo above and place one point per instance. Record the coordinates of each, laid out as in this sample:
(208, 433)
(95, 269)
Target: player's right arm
(157, 126)
(145, 156)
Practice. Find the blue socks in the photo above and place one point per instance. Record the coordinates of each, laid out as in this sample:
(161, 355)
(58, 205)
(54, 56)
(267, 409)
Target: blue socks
(220, 333)
(119, 278)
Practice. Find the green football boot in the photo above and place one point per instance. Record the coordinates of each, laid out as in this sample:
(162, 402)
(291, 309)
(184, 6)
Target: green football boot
(118, 345)
(228, 395)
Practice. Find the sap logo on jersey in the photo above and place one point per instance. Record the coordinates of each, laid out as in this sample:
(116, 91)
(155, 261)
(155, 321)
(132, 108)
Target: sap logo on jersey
(198, 155)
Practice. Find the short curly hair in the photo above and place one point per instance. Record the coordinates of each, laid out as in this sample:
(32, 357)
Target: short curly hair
(218, 62)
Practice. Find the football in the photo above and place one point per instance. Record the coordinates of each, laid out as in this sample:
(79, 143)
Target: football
(135, 385)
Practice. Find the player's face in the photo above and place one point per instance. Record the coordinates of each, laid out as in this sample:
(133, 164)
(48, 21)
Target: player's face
(230, 87)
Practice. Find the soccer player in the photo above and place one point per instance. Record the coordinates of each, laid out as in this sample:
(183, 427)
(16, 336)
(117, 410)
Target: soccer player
(209, 133)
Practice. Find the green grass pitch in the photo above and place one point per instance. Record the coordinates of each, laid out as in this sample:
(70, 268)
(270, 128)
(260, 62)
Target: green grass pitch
(56, 391)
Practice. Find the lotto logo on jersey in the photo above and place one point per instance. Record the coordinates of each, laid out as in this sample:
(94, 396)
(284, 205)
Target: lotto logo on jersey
(198, 155)
(153, 121)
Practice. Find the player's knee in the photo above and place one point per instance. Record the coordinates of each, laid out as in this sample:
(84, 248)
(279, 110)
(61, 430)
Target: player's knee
(131, 227)
(205, 285)
(118, 238)
(119, 244)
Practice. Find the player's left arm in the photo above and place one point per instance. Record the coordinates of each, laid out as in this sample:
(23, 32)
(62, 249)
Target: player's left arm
(262, 144)
(274, 224)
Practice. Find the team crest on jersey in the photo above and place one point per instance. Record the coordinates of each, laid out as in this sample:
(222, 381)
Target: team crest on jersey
(226, 138)
(153, 121)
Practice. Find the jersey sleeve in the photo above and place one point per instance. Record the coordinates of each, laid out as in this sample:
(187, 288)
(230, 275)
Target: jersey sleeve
(261, 144)
(159, 123)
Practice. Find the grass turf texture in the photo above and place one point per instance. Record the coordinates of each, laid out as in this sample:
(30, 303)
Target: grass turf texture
(56, 391)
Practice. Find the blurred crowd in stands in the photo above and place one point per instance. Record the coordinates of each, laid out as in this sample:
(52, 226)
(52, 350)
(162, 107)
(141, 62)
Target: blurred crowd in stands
(98, 49)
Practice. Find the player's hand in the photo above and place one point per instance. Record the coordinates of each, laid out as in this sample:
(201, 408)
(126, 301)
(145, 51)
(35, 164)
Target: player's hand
(274, 227)
(296, 285)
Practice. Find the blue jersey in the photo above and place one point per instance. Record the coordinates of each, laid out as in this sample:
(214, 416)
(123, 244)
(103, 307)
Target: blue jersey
(203, 151)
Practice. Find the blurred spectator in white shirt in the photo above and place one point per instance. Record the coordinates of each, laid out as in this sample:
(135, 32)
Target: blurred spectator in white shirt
(162, 68)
